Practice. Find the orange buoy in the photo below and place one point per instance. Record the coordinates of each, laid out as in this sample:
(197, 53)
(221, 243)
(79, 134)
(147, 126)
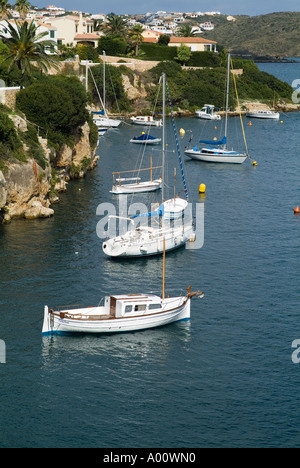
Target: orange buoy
(296, 210)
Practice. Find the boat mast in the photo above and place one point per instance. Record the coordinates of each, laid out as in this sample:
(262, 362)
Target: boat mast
(163, 136)
(104, 91)
(227, 97)
(164, 268)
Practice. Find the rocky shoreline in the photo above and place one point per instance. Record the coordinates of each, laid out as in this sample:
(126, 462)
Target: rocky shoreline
(28, 190)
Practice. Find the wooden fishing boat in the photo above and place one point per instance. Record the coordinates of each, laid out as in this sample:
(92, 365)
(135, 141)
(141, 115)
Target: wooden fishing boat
(120, 313)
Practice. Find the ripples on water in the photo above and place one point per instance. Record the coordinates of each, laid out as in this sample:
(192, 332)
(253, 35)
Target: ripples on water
(224, 379)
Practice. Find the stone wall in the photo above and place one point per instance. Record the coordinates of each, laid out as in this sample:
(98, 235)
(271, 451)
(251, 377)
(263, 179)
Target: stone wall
(8, 96)
(134, 64)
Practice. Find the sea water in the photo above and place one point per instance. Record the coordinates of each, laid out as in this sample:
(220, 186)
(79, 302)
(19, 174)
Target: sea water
(225, 378)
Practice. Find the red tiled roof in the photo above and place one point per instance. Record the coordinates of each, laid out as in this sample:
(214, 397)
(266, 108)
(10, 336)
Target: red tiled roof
(150, 39)
(191, 40)
(86, 36)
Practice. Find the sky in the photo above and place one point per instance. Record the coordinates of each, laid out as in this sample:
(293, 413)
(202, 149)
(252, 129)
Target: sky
(119, 7)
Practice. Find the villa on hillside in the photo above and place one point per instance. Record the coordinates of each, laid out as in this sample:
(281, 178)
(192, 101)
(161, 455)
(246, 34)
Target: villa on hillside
(75, 30)
(196, 44)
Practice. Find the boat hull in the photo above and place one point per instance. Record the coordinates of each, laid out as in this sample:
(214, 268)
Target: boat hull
(174, 309)
(230, 157)
(263, 115)
(148, 242)
(147, 121)
(106, 123)
(174, 208)
(204, 116)
(137, 188)
(156, 141)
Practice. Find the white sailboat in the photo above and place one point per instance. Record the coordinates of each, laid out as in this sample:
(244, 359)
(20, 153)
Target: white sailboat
(148, 240)
(120, 313)
(217, 150)
(134, 184)
(100, 118)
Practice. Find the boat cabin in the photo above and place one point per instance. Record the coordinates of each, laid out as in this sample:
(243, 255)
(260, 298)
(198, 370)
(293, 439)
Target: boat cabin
(132, 305)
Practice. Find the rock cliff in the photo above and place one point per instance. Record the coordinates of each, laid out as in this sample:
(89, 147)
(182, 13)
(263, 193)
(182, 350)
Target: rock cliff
(28, 190)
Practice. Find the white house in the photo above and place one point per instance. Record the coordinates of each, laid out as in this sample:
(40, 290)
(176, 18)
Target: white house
(75, 30)
(196, 44)
(41, 28)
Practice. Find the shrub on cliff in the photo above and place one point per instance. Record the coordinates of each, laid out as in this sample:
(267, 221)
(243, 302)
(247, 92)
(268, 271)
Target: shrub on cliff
(57, 104)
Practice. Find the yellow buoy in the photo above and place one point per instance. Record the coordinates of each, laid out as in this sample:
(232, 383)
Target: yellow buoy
(281, 121)
(254, 163)
(202, 188)
(182, 131)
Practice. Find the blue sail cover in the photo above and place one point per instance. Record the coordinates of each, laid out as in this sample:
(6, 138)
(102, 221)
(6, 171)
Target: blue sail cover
(99, 112)
(144, 137)
(158, 212)
(220, 142)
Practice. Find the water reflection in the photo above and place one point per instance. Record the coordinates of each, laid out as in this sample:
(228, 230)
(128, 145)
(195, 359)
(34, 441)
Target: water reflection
(153, 345)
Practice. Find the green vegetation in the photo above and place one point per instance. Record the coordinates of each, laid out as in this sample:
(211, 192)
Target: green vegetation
(12, 142)
(26, 46)
(275, 34)
(116, 98)
(57, 105)
(196, 87)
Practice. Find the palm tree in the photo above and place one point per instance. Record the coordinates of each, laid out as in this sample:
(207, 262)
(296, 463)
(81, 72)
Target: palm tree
(116, 26)
(185, 30)
(27, 49)
(136, 36)
(22, 6)
(4, 10)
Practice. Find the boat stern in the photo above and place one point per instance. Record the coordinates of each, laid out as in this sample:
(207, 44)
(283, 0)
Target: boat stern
(46, 330)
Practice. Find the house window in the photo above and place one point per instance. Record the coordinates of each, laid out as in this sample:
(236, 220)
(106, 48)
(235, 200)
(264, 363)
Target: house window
(52, 34)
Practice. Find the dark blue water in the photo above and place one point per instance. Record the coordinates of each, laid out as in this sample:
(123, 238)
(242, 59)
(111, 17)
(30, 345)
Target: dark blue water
(224, 379)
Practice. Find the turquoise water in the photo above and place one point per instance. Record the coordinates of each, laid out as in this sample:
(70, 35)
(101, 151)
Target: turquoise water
(224, 379)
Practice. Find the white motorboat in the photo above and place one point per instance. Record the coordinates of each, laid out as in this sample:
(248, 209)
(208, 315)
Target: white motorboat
(263, 114)
(207, 113)
(217, 150)
(146, 120)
